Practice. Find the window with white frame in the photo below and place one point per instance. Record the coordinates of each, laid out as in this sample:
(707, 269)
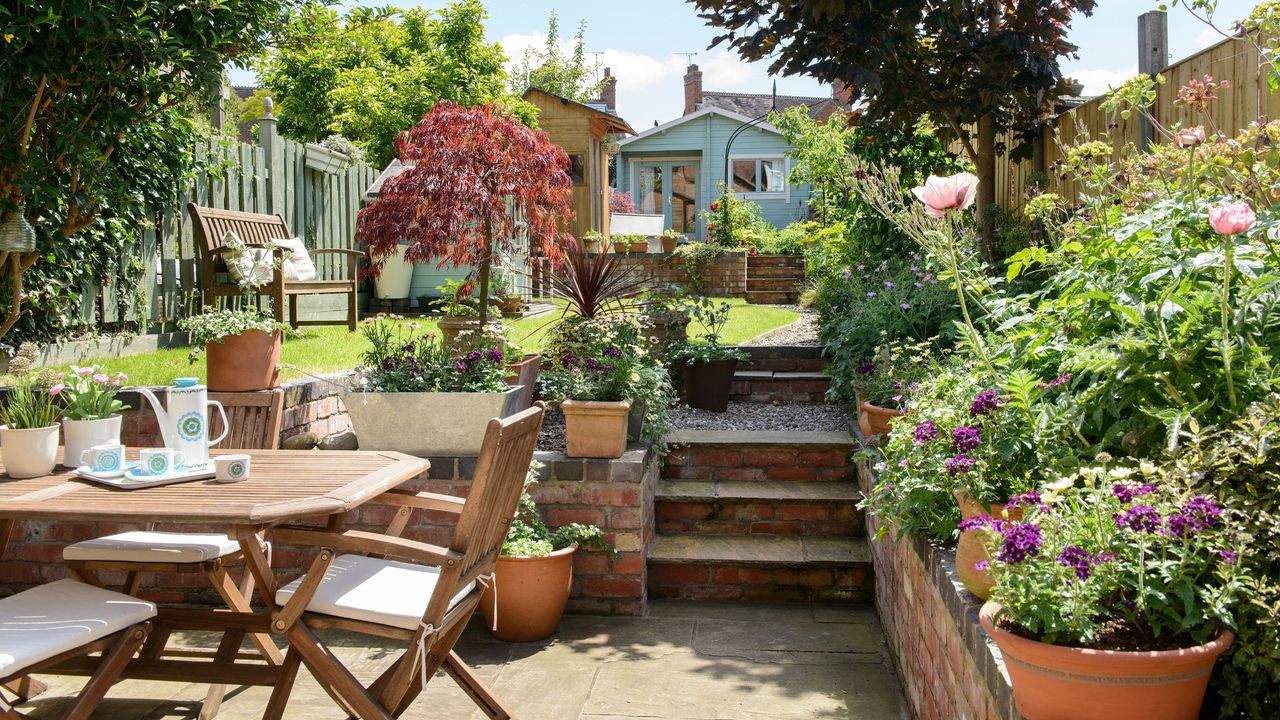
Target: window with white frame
(759, 175)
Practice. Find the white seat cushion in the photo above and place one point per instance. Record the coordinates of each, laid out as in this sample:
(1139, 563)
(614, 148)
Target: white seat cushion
(147, 547)
(386, 592)
(48, 620)
(298, 265)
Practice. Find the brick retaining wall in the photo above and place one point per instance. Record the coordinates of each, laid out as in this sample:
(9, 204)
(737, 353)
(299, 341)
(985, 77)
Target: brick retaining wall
(724, 276)
(950, 668)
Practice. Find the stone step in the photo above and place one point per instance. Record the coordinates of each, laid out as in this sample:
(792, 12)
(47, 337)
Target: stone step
(806, 386)
(759, 455)
(758, 508)
(770, 271)
(769, 297)
(757, 261)
(760, 568)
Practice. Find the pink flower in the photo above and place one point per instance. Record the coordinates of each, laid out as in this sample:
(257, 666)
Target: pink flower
(84, 371)
(56, 389)
(100, 378)
(122, 378)
(940, 194)
(1232, 218)
(1189, 137)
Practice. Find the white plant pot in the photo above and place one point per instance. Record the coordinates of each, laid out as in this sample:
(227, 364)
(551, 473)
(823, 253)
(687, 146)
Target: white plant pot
(396, 277)
(427, 424)
(80, 435)
(29, 453)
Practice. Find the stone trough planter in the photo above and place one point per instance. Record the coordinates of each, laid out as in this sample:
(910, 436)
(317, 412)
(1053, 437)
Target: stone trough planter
(427, 423)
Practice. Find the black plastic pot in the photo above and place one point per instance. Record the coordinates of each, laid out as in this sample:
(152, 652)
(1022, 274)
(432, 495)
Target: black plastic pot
(707, 385)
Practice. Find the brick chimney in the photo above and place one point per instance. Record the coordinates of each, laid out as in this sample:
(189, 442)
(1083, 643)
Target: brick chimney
(692, 89)
(609, 90)
(841, 94)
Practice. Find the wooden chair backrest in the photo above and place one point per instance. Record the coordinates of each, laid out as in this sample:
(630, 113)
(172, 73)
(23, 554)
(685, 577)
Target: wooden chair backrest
(254, 417)
(211, 225)
(495, 491)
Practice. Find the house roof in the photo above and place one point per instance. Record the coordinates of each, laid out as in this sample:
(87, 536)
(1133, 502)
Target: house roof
(615, 123)
(701, 113)
(757, 104)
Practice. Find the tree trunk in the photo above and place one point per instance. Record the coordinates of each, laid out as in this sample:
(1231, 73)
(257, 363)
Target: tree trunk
(486, 259)
(986, 164)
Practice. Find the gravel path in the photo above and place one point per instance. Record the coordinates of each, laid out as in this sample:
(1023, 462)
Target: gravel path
(804, 331)
(763, 416)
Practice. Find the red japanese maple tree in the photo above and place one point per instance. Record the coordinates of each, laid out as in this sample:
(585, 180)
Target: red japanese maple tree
(475, 173)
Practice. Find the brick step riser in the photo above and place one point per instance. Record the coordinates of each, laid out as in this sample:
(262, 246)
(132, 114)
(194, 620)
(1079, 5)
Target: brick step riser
(772, 298)
(760, 462)
(789, 391)
(730, 583)
(758, 517)
(815, 364)
(757, 261)
(772, 285)
(792, 273)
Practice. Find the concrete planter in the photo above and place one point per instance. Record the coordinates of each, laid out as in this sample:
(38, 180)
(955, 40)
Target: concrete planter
(427, 423)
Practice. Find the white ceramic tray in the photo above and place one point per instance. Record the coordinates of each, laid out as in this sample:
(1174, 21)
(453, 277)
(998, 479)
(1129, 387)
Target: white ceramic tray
(133, 480)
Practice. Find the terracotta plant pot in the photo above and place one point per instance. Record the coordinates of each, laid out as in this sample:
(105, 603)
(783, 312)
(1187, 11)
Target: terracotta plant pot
(451, 325)
(669, 244)
(639, 247)
(874, 420)
(511, 306)
(1050, 681)
(525, 374)
(620, 248)
(595, 429)
(707, 385)
(246, 362)
(666, 329)
(972, 547)
(531, 593)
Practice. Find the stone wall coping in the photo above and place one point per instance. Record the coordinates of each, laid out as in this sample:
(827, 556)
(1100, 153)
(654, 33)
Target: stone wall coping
(761, 437)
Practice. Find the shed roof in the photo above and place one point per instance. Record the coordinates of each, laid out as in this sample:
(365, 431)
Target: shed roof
(615, 123)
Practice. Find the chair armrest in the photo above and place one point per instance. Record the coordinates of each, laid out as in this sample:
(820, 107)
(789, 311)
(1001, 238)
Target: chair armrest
(340, 251)
(421, 500)
(361, 541)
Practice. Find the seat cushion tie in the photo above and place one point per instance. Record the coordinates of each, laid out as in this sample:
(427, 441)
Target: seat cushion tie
(485, 580)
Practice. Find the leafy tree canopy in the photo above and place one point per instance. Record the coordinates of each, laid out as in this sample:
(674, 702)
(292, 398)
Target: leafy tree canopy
(568, 75)
(371, 73)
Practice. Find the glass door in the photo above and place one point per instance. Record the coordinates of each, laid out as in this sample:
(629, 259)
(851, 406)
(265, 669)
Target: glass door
(670, 188)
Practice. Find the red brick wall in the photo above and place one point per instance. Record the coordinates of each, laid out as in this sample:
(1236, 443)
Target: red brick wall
(758, 462)
(949, 668)
(724, 276)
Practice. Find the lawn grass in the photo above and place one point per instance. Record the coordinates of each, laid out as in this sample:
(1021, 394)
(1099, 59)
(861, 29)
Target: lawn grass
(324, 350)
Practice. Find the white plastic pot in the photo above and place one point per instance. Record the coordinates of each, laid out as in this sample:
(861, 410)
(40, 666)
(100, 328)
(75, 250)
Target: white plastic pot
(396, 277)
(80, 435)
(29, 453)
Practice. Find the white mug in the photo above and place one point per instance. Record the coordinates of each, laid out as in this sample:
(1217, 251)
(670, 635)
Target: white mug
(106, 460)
(231, 468)
(160, 461)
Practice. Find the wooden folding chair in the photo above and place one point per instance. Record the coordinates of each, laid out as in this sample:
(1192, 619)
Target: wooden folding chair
(49, 624)
(392, 587)
(254, 418)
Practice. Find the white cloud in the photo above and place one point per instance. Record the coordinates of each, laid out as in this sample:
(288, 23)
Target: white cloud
(726, 71)
(1097, 82)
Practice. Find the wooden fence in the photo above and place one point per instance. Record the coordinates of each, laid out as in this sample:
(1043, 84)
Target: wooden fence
(317, 194)
(1248, 99)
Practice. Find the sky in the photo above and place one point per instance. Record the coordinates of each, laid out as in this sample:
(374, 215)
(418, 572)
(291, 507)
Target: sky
(644, 44)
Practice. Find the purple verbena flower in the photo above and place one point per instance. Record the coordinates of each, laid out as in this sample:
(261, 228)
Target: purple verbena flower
(569, 360)
(591, 364)
(494, 355)
(905, 306)
(1227, 556)
(924, 432)
(871, 294)
(475, 355)
(1126, 493)
(984, 403)
(1030, 497)
(966, 438)
(980, 566)
(1183, 525)
(977, 522)
(1021, 541)
(1062, 379)
(888, 283)
(1139, 518)
(1204, 510)
(958, 465)
(1077, 559)
(613, 352)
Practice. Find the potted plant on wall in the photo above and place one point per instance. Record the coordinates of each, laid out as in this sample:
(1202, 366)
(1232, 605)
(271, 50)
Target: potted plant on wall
(1115, 599)
(535, 572)
(91, 410)
(592, 241)
(666, 317)
(707, 366)
(880, 387)
(29, 434)
(670, 239)
(506, 294)
(460, 307)
(475, 171)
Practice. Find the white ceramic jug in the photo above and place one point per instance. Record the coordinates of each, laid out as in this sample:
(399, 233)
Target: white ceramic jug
(184, 419)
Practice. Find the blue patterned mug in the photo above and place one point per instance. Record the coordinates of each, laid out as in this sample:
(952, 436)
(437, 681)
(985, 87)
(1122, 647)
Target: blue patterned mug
(160, 461)
(231, 468)
(106, 460)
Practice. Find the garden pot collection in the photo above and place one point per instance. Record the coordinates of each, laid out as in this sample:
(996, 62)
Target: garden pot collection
(524, 373)
(594, 428)
(246, 362)
(29, 453)
(427, 424)
(707, 385)
(80, 435)
(1051, 681)
(972, 546)
(451, 325)
(874, 420)
(531, 595)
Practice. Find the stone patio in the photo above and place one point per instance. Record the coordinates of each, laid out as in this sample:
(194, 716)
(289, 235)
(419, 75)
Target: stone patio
(684, 661)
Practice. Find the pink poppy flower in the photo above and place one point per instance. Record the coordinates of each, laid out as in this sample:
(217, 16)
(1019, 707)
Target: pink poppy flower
(100, 378)
(940, 194)
(1189, 137)
(84, 371)
(57, 389)
(1232, 218)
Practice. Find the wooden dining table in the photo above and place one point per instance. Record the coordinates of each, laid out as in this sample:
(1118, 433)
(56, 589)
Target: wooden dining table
(283, 486)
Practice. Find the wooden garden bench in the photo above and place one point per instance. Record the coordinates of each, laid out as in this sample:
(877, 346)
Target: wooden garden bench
(257, 231)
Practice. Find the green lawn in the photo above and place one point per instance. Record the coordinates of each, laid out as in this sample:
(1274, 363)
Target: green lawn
(331, 349)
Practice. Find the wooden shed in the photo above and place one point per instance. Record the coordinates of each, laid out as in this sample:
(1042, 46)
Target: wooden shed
(581, 130)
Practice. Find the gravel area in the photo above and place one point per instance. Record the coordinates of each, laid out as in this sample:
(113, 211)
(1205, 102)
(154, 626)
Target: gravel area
(804, 331)
(763, 416)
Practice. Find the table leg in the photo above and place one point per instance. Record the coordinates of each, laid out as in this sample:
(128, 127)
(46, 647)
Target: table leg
(6, 532)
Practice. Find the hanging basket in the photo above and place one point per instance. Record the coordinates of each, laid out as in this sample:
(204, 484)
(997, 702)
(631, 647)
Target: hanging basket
(16, 234)
(611, 146)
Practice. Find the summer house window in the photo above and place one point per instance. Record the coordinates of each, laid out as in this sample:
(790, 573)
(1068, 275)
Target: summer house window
(759, 175)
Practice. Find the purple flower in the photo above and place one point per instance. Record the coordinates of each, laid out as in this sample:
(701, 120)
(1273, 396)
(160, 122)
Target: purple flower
(475, 355)
(865, 369)
(924, 432)
(980, 566)
(905, 306)
(977, 522)
(1183, 525)
(591, 364)
(888, 283)
(919, 284)
(871, 294)
(1078, 559)
(1126, 493)
(606, 368)
(966, 438)
(1139, 518)
(1227, 556)
(1062, 379)
(1021, 541)
(388, 363)
(460, 366)
(494, 355)
(958, 465)
(1030, 497)
(984, 403)
(613, 352)
(1204, 510)
(569, 360)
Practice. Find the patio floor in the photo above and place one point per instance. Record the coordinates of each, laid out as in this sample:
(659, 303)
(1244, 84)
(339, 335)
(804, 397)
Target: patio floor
(685, 661)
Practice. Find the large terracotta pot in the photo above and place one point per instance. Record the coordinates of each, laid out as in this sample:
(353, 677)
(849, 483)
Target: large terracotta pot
(595, 429)
(707, 385)
(451, 325)
(531, 595)
(972, 547)
(874, 420)
(1051, 682)
(246, 362)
